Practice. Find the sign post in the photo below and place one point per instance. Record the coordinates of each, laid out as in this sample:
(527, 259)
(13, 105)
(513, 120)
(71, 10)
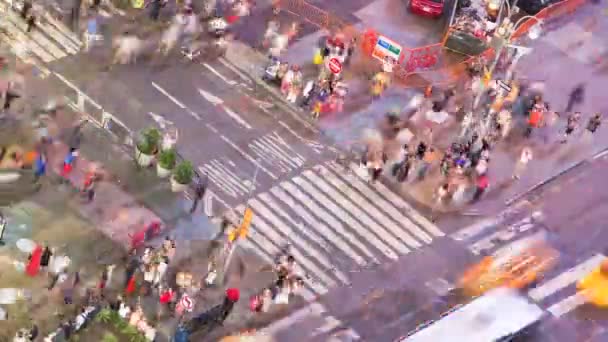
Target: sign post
(243, 229)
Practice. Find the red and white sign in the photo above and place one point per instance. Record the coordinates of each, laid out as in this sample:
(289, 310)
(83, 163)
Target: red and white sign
(187, 302)
(335, 66)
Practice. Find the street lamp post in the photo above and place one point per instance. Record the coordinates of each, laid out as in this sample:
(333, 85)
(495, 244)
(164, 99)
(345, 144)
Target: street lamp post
(245, 218)
(501, 43)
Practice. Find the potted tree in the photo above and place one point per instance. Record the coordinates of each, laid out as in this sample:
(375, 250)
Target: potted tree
(166, 163)
(147, 146)
(182, 176)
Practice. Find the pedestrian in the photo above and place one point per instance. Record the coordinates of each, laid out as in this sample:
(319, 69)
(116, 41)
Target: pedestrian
(75, 15)
(46, 258)
(103, 281)
(571, 125)
(199, 193)
(481, 185)
(25, 9)
(426, 162)
(88, 189)
(594, 123)
(68, 163)
(575, 98)
(504, 122)
(157, 5)
(39, 165)
(522, 163)
(31, 22)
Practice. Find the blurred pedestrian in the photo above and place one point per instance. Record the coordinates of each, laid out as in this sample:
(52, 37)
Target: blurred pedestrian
(576, 97)
(571, 126)
(199, 192)
(481, 185)
(594, 123)
(522, 163)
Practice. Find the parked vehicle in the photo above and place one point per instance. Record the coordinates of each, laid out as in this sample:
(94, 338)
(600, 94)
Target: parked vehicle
(427, 8)
(532, 7)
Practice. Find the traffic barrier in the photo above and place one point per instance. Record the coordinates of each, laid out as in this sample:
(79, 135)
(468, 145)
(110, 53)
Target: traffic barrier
(107, 122)
(426, 62)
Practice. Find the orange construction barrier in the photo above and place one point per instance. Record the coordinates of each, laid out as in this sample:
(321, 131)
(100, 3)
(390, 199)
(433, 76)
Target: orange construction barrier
(422, 66)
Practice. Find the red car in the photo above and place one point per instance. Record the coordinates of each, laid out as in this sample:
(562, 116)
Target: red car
(427, 8)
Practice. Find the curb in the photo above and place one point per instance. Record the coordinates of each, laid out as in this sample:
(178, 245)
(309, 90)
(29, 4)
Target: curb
(557, 175)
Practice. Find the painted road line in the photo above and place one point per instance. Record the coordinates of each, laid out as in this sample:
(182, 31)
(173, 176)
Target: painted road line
(310, 268)
(306, 292)
(62, 28)
(290, 234)
(236, 117)
(372, 195)
(482, 226)
(216, 101)
(240, 183)
(22, 52)
(390, 231)
(338, 235)
(352, 194)
(269, 158)
(326, 217)
(568, 304)
(291, 220)
(248, 157)
(38, 37)
(266, 249)
(32, 46)
(220, 76)
(276, 138)
(220, 182)
(313, 310)
(566, 278)
(176, 101)
(399, 202)
(346, 218)
(276, 151)
(508, 233)
(235, 70)
(67, 43)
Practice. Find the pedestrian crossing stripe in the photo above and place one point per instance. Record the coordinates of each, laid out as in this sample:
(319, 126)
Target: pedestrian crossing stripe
(334, 224)
(49, 41)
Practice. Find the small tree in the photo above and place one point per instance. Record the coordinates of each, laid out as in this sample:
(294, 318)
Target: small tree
(184, 172)
(167, 159)
(149, 141)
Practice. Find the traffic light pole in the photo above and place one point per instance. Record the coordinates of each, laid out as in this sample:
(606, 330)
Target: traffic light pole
(240, 233)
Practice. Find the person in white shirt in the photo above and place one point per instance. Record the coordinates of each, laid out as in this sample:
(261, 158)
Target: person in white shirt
(522, 163)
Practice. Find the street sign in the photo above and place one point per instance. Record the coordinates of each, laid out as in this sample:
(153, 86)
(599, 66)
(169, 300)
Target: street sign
(335, 66)
(244, 229)
(187, 302)
(386, 48)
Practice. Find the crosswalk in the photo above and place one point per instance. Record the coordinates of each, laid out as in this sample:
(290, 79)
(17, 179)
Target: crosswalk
(49, 41)
(556, 291)
(334, 223)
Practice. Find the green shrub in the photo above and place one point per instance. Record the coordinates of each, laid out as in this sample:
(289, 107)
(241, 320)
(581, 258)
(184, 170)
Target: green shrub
(184, 172)
(167, 159)
(149, 141)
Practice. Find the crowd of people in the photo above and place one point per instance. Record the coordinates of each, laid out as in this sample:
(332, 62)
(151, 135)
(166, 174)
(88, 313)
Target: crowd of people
(288, 282)
(462, 166)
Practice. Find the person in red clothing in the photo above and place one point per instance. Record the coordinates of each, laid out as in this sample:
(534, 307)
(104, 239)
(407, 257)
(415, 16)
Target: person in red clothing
(481, 186)
(34, 264)
(131, 286)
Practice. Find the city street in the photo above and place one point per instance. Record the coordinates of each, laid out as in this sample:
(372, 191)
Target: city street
(374, 267)
(387, 302)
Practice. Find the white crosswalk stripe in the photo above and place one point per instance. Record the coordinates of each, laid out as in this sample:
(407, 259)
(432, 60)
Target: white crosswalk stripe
(556, 294)
(49, 41)
(334, 225)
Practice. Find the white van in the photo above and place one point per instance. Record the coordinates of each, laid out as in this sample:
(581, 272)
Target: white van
(499, 315)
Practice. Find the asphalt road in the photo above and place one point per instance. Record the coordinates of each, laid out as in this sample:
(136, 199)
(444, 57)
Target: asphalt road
(387, 302)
